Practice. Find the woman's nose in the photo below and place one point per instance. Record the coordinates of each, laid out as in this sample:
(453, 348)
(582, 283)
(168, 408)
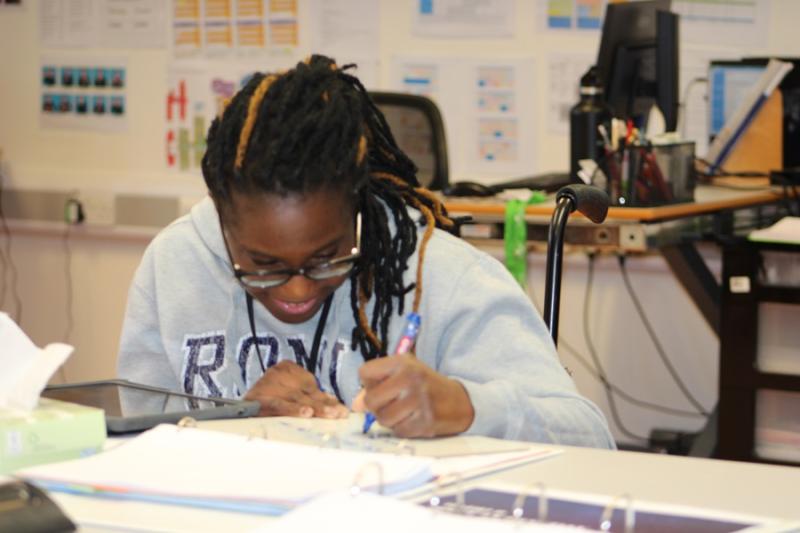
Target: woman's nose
(298, 289)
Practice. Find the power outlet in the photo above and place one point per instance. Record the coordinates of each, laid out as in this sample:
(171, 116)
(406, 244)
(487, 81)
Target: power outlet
(98, 207)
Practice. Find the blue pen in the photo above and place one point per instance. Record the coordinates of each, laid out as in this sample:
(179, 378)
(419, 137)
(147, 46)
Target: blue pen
(405, 343)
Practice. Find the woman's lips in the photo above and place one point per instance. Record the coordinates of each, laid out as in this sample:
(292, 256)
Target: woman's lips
(296, 308)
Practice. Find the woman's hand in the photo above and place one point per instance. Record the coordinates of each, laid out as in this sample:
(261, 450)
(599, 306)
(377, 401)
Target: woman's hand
(287, 389)
(413, 399)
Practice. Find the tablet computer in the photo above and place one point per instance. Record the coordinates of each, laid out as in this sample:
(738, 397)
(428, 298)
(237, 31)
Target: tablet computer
(131, 406)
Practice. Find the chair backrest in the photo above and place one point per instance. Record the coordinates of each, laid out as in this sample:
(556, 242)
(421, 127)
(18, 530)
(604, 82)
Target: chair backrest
(419, 131)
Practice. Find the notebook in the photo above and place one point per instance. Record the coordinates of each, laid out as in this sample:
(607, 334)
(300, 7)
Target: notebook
(367, 513)
(191, 466)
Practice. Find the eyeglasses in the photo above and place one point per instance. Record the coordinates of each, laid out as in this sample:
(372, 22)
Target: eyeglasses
(268, 278)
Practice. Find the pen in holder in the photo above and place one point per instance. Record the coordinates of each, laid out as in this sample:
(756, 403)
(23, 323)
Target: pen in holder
(647, 174)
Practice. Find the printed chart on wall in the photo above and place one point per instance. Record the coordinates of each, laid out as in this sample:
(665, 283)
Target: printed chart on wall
(194, 97)
(102, 23)
(83, 93)
(721, 23)
(564, 71)
(463, 18)
(227, 28)
(717, 22)
(571, 14)
(487, 107)
(348, 31)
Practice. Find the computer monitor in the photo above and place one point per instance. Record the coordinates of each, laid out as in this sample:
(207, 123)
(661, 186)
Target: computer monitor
(638, 60)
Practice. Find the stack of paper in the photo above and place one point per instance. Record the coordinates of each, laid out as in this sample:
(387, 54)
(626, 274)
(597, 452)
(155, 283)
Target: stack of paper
(786, 230)
(192, 466)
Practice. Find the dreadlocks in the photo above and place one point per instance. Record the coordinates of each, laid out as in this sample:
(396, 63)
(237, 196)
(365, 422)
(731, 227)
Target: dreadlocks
(312, 127)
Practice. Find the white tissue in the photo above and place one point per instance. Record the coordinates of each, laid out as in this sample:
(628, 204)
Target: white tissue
(25, 368)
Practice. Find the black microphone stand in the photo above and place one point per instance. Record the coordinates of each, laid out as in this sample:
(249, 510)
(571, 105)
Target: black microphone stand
(593, 203)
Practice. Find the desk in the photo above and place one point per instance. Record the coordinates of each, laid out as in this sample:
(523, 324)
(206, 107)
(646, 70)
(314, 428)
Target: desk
(638, 229)
(723, 485)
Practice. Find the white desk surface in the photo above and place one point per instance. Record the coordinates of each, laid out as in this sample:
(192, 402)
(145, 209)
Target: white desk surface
(744, 488)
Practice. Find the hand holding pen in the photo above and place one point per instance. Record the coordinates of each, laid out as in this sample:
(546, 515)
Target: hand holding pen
(404, 345)
(412, 399)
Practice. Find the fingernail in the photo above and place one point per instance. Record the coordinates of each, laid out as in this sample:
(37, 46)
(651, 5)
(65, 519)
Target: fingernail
(306, 412)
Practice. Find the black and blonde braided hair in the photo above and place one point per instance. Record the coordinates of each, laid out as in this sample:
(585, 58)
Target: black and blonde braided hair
(315, 126)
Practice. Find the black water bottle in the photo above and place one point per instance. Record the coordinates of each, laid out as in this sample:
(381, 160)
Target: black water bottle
(585, 141)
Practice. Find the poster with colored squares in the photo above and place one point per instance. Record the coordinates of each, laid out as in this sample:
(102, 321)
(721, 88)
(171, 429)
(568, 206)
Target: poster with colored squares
(83, 94)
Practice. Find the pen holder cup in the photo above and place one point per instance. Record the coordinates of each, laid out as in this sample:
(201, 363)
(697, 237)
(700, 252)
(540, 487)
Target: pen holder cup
(676, 161)
(652, 175)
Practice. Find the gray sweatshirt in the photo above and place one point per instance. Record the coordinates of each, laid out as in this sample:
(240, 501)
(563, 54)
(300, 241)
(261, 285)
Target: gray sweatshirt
(186, 329)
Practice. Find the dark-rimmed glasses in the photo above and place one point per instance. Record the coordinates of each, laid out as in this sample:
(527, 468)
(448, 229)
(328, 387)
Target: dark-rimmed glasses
(268, 278)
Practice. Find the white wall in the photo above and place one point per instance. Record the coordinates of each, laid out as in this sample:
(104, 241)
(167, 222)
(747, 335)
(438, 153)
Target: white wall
(102, 266)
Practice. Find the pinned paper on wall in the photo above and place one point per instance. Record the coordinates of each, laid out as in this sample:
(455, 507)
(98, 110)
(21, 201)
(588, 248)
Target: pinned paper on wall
(571, 14)
(103, 23)
(195, 95)
(564, 71)
(234, 28)
(83, 93)
(721, 23)
(463, 18)
(487, 107)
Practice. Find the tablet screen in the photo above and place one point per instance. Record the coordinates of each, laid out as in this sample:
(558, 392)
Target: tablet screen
(121, 400)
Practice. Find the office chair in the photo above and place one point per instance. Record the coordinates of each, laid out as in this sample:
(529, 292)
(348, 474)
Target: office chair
(419, 131)
(593, 203)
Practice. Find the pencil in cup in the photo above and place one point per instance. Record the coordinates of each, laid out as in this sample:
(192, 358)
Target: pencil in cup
(404, 345)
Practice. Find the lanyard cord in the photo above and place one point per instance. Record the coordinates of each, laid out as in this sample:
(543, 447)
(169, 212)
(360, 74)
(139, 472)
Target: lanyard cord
(312, 361)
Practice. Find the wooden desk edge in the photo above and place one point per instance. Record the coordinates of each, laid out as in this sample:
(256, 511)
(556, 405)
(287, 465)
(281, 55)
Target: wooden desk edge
(640, 214)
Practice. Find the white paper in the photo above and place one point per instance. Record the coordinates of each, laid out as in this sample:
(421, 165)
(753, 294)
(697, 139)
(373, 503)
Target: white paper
(571, 15)
(345, 28)
(103, 23)
(225, 29)
(723, 23)
(564, 75)
(133, 23)
(463, 18)
(367, 513)
(488, 111)
(207, 466)
(68, 23)
(26, 368)
(786, 230)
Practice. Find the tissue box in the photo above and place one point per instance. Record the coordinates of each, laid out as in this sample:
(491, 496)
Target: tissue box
(53, 431)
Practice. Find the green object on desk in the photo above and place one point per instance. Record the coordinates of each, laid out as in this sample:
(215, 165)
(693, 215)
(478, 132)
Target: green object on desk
(516, 235)
(53, 431)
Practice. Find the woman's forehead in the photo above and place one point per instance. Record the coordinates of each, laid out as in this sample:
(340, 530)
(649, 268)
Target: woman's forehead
(274, 221)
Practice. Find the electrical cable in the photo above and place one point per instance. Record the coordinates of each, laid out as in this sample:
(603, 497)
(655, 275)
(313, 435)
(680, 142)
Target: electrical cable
(681, 122)
(659, 348)
(69, 294)
(8, 261)
(616, 389)
(593, 352)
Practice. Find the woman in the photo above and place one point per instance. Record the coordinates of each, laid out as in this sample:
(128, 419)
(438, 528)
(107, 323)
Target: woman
(289, 285)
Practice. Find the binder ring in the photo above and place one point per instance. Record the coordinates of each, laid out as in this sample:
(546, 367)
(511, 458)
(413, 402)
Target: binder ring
(356, 488)
(518, 509)
(435, 500)
(187, 422)
(630, 514)
(404, 447)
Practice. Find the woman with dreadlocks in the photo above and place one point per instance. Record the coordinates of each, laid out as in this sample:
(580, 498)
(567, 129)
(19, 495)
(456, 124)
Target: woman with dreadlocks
(290, 284)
